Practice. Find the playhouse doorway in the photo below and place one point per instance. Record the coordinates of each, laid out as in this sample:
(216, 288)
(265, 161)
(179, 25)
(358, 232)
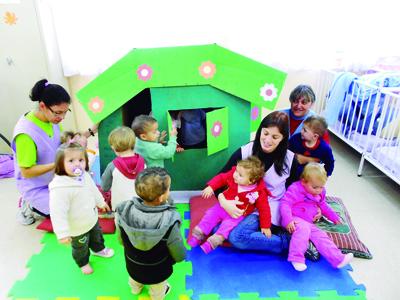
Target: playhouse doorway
(138, 105)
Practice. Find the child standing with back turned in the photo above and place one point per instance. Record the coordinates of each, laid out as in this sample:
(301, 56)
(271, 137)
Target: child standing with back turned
(120, 174)
(74, 199)
(149, 228)
(301, 202)
(148, 144)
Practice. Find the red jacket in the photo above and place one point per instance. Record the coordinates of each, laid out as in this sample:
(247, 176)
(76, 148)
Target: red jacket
(256, 198)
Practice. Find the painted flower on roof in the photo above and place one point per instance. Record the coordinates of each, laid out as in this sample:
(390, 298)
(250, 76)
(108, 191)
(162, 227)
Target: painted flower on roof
(216, 129)
(96, 105)
(207, 70)
(10, 18)
(268, 92)
(144, 72)
(255, 112)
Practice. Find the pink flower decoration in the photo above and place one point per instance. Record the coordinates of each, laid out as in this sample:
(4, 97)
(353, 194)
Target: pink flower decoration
(255, 113)
(96, 105)
(268, 92)
(207, 70)
(216, 128)
(144, 72)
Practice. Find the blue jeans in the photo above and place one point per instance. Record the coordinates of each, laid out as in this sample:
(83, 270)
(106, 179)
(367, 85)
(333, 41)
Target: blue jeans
(248, 236)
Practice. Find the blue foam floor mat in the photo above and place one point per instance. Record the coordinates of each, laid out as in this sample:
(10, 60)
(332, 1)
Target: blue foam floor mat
(228, 272)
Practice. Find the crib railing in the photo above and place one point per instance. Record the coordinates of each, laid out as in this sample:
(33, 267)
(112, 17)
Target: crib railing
(368, 121)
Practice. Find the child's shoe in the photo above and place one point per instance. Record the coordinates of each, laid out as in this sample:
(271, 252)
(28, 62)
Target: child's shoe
(193, 241)
(206, 247)
(299, 266)
(106, 252)
(312, 252)
(87, 269)
(196, 238)
(346, 260)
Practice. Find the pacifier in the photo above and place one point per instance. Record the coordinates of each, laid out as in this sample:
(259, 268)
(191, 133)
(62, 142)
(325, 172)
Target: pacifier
(77, 171)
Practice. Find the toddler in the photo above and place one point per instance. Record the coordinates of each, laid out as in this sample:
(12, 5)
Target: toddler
(301, 202)
(121, 173)
(149, 229)
(309, 145)
(148, 144)
(74, 199)
(244, 183)
(81, 139)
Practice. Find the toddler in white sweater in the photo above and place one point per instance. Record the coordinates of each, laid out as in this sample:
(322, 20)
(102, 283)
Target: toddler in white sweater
(74, 199)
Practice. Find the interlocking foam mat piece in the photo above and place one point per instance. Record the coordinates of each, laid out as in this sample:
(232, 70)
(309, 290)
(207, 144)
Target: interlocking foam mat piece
(54, 276)
(238, 271)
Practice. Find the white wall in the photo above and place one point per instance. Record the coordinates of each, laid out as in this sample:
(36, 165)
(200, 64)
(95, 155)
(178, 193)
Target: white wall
(25, 58)
(32, 48)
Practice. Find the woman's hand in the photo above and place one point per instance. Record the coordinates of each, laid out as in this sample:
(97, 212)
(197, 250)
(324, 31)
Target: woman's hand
(230, 206)
(66, 240)
(291, 227)
(207, 192)
(267, 232)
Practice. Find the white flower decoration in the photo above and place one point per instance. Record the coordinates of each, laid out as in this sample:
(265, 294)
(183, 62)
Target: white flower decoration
(268, 92)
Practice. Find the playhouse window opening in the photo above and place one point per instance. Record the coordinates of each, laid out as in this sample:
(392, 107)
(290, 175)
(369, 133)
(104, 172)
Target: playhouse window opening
(140, 104)
(191, 127)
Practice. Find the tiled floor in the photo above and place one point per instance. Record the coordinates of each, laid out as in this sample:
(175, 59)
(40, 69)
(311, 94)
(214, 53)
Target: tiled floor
(373, 201)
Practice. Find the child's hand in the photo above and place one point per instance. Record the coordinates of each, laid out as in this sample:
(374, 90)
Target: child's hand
(267, 232)
(104, 208)
(291, 227)
(66, 240)
(179, 148)
(162, 137)
(173, 132)
(318, 215)
(207, 192)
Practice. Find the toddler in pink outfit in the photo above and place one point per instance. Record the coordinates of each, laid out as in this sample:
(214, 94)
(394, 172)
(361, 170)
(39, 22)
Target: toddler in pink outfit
(301, 202)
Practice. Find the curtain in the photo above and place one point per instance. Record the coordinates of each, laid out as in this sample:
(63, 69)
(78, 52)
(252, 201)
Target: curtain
(302, 34)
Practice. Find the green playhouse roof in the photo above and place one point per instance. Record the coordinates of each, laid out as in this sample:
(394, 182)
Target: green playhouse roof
(181, 66)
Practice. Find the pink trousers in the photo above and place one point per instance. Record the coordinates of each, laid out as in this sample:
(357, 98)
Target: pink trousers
(216, 215)
(306, 231)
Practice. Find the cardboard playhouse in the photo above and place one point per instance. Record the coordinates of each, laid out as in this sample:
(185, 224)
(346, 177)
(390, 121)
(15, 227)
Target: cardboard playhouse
(230, 88)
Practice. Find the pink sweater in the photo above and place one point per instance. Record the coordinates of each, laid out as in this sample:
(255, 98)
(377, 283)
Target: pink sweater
(298, 203)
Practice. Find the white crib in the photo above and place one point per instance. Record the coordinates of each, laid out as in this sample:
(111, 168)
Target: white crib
(368, 120)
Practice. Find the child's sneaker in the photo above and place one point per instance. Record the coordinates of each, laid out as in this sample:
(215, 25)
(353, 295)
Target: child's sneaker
(346, 260)
(312, 252)
(106, 252)
(87, 269)
(299, 266)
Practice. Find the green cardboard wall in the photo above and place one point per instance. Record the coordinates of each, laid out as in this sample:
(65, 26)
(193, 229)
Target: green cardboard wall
(192, 168)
